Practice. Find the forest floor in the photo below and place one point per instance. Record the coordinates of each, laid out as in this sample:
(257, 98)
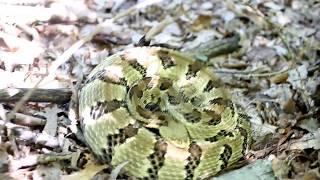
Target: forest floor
(54, 44)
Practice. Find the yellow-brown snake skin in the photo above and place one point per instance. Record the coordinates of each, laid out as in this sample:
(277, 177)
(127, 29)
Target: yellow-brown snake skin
(164, 113)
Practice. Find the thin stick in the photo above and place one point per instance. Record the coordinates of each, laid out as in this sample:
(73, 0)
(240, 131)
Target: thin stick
(39, 95)
(250, 73)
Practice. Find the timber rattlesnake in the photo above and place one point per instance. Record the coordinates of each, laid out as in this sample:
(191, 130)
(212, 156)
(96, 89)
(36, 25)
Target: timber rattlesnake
(164, 113)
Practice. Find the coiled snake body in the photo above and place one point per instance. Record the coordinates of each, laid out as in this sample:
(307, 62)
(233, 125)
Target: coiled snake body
(164, 113)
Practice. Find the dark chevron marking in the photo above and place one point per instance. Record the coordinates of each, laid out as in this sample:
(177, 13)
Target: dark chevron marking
(193, 160)
(165, 84)
(138, 67)
(193, 69)
(114, 140)
(104, 76)
(157, 159)
(223, 102)
(243, 133)
(105, 107)
(225, 156)
(210, 85)
(166, 59)
(215, 118)
(135, 65)
(173, 100)
(220, 135)
(193, 117)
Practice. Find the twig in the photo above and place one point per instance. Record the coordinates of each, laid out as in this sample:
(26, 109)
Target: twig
(10, 125)
(24, 99)
(27, 120)
(249, 73)
(158, 28)
(34, 159)
(213, 48)
(30, 31)
(39, 95)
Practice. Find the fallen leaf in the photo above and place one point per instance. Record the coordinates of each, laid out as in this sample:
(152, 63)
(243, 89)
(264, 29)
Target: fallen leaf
(310, 140)
(88, 172)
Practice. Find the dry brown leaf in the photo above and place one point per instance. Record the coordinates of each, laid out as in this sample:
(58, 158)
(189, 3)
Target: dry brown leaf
(310, 140)
(280, 78)
(88, 172)
(202, 22)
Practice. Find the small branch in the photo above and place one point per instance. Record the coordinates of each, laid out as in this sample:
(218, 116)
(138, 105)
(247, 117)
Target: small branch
(213, 48)
(39, 95)
(27, 120)
(159, 28)
(35, 159)
(249, 73)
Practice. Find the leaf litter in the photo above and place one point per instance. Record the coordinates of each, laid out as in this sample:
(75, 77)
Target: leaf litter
(274, 76)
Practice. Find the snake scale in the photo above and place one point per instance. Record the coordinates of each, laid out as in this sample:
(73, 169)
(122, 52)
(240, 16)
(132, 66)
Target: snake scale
(164, 113)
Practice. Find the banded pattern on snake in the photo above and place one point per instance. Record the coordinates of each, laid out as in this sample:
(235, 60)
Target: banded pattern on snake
(164, 113)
